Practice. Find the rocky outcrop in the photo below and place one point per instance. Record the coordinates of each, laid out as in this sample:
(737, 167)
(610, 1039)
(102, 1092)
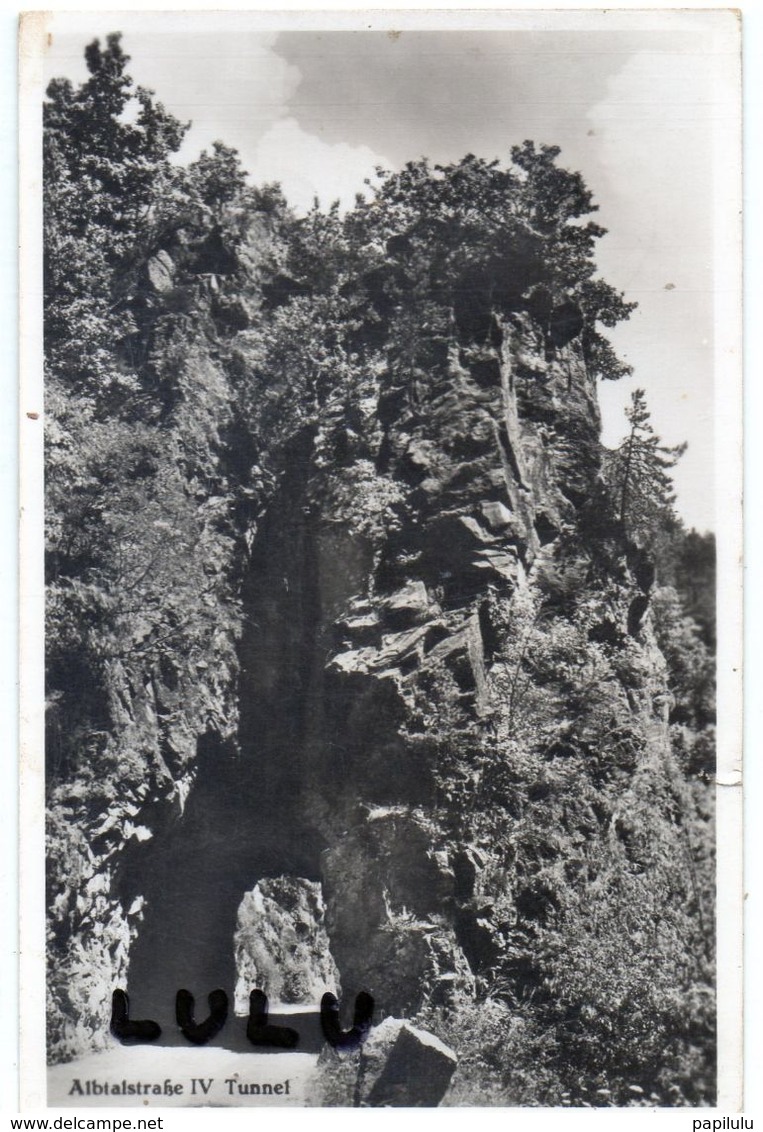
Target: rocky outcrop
(448, 697)
(389, 886)
(397, 643)
(495, 457)
(399, 1066)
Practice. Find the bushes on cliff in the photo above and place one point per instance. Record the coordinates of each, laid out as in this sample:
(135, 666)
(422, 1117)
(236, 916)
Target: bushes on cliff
(630, 979)
(679, 568)
(601, 993)
(597, 988)
(686, 561)
(142, 261)
(473, 239)
(691, 667)
(507, 1055)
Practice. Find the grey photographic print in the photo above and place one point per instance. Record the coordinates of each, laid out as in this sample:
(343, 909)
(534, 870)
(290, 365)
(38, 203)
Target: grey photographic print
(380, 557)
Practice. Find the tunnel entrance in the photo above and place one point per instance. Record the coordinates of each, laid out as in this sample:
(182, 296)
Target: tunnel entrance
(192, 877)
(245, 817)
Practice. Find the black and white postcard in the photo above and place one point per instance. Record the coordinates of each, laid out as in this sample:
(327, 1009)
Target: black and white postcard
(381, 382)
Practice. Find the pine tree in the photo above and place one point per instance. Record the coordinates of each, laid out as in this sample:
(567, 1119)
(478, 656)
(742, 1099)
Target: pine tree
(638, 473)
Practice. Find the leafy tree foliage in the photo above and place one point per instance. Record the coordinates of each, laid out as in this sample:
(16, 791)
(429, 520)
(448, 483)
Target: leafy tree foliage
(568, 1014)
(690, 662)
(683, 602)
(108, 192)
(686, 561)
(479, 237)
(147, 274)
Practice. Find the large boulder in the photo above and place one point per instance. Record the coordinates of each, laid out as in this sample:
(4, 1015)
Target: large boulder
(398, 1066)
(403, 1067)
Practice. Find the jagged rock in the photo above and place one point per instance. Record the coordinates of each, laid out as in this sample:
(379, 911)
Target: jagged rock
(463, 652)
(401, 651)
(496, 515)
(381, 707)
(396, 647)
(161, 272)
(476, 530)
(409, 605)
(421, 454)
(504, 563)
(636, 613)
(472, 860)
(363, 630)
(546, 528)
(565, 323)
(643, 567)
(403, 1067)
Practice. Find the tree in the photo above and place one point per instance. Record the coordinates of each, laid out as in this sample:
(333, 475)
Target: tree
(686, 561)
(487, 236)
(112, 156)
(638, 473)
(138, 498)
(109, 190)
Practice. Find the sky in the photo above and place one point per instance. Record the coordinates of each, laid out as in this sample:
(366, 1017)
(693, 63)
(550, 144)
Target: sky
(641, 105)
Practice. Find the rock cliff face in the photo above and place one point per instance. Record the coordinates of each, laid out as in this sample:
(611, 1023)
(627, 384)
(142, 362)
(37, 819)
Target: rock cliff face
(452, 721)
(368, 655)
(377, 639)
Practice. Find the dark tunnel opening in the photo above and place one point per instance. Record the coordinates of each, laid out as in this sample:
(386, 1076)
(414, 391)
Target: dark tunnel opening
(243, 819)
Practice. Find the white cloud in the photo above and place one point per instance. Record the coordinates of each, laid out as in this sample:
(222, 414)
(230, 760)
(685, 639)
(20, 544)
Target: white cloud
(653, 132)
(229, 83)
(233, 86)
(308, 167)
